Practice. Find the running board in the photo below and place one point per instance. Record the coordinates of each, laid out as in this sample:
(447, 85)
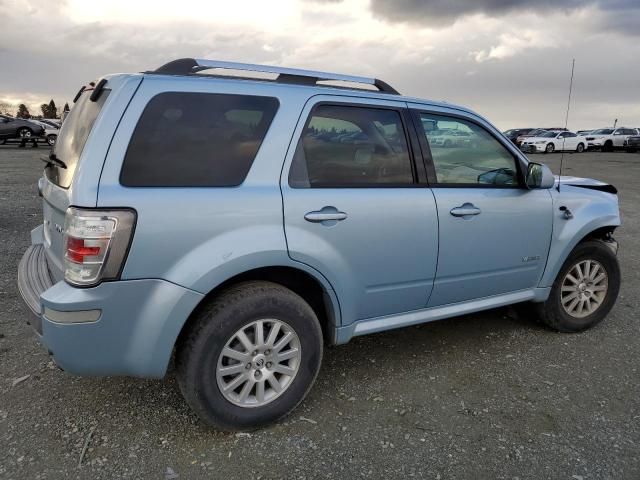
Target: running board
(388, 322)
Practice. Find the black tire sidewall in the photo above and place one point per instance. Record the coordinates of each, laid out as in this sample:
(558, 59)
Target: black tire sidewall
(550, 148)
(590, 250)
(200, 366)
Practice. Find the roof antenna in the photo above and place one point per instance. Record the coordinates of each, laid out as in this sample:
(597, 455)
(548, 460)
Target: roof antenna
(566, 122)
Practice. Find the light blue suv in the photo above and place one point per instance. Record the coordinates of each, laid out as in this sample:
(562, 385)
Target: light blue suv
(237, 224)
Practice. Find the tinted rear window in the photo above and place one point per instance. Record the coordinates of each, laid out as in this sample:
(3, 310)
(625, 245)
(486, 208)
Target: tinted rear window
(197, 140)
(73, 136)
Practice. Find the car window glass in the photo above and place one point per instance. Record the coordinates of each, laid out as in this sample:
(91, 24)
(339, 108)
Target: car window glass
(345, 146)
(465, 153)
(197, 140)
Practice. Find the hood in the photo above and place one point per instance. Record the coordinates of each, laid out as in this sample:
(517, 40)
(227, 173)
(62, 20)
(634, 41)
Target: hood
(586, 183)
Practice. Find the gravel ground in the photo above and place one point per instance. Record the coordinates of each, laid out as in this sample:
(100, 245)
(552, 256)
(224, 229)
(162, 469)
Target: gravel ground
(482, 396)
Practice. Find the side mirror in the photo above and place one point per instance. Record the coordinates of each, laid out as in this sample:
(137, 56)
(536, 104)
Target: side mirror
(539, 176)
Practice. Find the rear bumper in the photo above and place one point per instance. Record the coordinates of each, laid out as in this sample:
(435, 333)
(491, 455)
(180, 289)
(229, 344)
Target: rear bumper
(116, 328)
(34, 279)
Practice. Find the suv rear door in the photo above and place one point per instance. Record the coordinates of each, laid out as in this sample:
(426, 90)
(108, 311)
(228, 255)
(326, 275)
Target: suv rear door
(82, 144)
(354, 208)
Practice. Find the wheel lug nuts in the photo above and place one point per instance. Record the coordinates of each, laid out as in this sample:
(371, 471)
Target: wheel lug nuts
(258, 374)
(267, 352)
(254, 353)
(269, 364)
(247, 366)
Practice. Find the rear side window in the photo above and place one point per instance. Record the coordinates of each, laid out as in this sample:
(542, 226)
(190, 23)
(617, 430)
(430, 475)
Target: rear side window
(346, 146)
(196, 140)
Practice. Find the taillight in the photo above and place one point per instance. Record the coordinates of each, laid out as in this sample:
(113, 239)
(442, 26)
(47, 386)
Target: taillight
(96, 244)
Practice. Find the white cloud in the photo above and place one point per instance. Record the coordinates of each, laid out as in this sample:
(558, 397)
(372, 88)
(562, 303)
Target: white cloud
(512, 44)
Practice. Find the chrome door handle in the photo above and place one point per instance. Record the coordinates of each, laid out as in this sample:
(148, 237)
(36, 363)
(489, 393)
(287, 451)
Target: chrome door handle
(465, 210)
(327, 214)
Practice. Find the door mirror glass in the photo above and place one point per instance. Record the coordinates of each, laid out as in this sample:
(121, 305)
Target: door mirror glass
(539, 176)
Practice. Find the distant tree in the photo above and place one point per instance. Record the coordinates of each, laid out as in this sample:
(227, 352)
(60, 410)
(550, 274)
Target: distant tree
(6, 108)
(53, 110)
(23, 111)
(49, 110)
(66, 107)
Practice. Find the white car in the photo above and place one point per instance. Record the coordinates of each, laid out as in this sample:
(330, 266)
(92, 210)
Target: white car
(51, 129)
(452, 138)
(552, 141)
(608, 139)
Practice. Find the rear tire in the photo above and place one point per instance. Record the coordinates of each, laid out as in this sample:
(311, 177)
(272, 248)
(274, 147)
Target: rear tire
(51, 139)
(24, 132)
(580, 148)
(560, 311)
(608, 146)
(549, 148)
(216, 329)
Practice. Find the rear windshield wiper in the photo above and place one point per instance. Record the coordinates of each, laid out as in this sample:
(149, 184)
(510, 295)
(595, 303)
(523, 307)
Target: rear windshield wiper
(51, 159)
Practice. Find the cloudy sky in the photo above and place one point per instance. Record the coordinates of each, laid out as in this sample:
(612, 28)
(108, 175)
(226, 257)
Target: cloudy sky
(508, 59)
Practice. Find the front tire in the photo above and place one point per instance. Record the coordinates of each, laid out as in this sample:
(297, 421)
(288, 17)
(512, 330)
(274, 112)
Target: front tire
(585, 289)
(51, 139)
(580, 148)
(250, 357)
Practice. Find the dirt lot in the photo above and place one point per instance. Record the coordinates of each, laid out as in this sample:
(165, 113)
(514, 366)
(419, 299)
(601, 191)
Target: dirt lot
(482, 396)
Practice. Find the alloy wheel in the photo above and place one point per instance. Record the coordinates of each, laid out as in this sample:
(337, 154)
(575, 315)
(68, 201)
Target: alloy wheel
(258, 363)
(584, 288)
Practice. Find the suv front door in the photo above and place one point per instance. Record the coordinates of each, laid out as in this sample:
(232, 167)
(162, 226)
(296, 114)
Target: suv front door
(494, 233)
(353, 207)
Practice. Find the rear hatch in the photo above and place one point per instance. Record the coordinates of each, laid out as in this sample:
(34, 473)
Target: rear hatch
(56, 187)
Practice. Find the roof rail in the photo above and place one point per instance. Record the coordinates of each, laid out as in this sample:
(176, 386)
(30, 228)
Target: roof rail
(189, 66)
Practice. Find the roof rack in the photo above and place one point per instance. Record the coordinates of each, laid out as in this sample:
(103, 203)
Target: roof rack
(189, 66)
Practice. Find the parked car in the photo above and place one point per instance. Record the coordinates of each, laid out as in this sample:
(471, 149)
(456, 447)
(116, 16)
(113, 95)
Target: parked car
(18, 128)
(514, 133)
(217, 221)
(51, 129)
(552, 141)
(452, 138)
(609, 139)
(632, 143)
(533, 133)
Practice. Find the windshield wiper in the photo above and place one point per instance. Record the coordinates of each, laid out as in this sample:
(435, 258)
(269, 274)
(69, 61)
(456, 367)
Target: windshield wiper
(51, 159)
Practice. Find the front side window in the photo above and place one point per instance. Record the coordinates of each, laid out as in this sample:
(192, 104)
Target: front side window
(196, 140)
(345, 146)
(464, 153)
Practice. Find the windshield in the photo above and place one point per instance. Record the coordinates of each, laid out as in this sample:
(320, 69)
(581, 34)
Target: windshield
(603, 131)
(548, 134)
(72, 137)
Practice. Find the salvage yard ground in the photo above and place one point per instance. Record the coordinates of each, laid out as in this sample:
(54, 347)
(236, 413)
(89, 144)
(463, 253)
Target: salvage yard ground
(489, 395)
